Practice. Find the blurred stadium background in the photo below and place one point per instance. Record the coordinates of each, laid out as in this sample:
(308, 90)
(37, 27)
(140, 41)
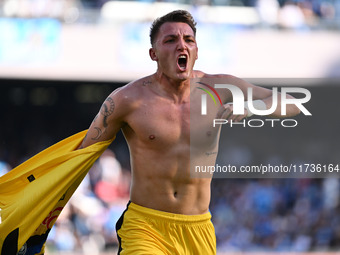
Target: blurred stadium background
(59, 59)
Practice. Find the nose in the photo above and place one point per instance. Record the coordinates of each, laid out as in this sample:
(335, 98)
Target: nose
(181, 44)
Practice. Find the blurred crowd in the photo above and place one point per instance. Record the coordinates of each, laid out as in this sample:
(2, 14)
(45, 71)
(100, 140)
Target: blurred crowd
(283, 215)
(277, 13)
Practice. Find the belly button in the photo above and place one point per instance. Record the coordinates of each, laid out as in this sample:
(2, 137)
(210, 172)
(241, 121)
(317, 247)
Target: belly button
(175, 194)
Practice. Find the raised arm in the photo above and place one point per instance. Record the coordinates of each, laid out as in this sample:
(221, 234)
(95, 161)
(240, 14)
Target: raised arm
(266, 95)
(108, 121)
(261, 97)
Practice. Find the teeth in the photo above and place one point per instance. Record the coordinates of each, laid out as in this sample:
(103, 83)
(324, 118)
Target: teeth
(182, 56)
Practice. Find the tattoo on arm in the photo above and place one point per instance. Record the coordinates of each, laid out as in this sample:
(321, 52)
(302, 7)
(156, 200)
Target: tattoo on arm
(107, 109)
(99, 134)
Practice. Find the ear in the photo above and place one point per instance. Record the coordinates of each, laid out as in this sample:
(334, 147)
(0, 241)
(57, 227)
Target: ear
(152, 54)
(196, 53)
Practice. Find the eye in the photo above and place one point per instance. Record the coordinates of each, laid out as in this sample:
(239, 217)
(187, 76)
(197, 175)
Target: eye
(170, 41)
(190, 40)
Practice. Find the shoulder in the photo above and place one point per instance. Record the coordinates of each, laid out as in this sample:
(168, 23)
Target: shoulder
(128, 97)
(221, 79)
(131, 91)
(226, 77)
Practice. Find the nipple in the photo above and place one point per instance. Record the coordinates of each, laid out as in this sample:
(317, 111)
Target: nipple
(152, 137)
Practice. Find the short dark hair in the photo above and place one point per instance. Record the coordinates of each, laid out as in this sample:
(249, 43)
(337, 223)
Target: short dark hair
(174, 16)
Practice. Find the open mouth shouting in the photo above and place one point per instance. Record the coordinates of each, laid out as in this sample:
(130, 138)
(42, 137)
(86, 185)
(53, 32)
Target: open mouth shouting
(182, 61)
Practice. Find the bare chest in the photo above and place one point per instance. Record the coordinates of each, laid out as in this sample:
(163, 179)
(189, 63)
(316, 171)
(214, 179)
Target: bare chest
(160, 123)
(164, 125)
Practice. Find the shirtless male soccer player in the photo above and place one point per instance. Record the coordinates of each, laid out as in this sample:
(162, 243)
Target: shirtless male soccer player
(168, 212)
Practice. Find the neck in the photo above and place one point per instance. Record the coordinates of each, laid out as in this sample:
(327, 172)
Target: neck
(178, 90)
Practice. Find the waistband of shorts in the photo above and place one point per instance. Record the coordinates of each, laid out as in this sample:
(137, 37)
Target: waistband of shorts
(152, 213)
